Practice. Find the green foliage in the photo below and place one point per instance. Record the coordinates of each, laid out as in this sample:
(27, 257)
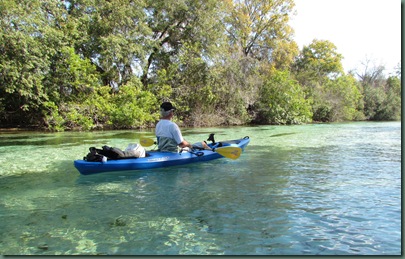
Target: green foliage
(338, 100)
(393, 102)
(71, 77)
(319, 60)
(96, 64)
(229, 90)
(92, 113)
(191, 88)
(381, 96)
(335, 96)
(133, 107)
(23, 61)
(79, 117)
(52, 118)
(281, 101)
(383, 102)
(257, 27)
(174, 24)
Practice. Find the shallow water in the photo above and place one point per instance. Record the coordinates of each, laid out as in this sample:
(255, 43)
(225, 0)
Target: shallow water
(327, 189)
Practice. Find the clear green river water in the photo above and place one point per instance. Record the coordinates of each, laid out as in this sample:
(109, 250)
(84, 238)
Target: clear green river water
(321, 189)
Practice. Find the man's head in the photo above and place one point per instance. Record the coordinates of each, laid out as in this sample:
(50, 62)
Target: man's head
(166, 109)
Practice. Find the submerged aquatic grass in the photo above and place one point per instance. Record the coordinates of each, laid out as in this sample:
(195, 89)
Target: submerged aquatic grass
(328, 189)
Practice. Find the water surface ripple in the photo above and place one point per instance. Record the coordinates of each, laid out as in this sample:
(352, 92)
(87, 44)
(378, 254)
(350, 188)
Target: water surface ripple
(327, 189)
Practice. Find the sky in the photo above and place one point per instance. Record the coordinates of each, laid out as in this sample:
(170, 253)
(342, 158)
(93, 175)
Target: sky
(360, 29)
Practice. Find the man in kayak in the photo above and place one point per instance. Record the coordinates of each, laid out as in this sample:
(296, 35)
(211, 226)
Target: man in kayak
(168, 134)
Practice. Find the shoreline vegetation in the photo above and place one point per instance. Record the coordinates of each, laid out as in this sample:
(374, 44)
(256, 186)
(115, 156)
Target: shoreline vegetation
(103, 65)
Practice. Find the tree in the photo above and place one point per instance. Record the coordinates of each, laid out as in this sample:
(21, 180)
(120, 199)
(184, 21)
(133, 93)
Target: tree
(88, 64)
(397, 72)
(176, 23)
(393, 102)
(282, 101)
(260, 28)
(341, 99)
(381, 95)
(372, 74)
(112, 34)
(318, 61)
(384, 101)
(318, 68)
(27, 44)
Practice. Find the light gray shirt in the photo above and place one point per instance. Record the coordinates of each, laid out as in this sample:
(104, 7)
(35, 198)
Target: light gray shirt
(168, 135)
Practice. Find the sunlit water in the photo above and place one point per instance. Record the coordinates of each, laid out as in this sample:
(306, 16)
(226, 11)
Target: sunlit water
(296, 190)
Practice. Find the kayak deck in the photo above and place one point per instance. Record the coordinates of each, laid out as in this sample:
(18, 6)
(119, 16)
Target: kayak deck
(155, 159)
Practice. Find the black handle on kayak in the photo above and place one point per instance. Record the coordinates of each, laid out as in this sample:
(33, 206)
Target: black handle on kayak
(199, 153)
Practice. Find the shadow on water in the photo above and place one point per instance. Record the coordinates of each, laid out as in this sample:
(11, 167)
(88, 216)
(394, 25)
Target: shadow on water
(282, 134)
(46, 139)
(132, 135)
(36, 187)
(107, 177)
(67, 138)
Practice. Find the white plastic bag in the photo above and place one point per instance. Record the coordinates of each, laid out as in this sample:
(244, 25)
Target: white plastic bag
(136, 149)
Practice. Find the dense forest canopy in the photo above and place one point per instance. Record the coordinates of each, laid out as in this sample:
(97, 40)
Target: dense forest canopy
(99, 64)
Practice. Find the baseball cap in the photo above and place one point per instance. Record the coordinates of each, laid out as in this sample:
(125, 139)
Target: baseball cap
(167, 106)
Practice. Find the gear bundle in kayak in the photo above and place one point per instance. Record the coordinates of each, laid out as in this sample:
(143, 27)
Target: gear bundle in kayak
(154, 159)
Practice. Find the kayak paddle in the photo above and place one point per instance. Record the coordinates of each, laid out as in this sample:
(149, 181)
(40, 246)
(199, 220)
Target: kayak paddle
(146, 142)
(228, 152)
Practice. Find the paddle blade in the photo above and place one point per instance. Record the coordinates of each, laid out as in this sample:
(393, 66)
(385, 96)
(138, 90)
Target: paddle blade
(146, 142)
(229, 152)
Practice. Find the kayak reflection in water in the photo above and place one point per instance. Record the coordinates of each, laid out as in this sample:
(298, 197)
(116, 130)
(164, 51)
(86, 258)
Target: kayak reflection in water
(169, 137)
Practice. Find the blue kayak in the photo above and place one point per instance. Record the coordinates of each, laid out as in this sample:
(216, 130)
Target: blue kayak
(155, 159)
